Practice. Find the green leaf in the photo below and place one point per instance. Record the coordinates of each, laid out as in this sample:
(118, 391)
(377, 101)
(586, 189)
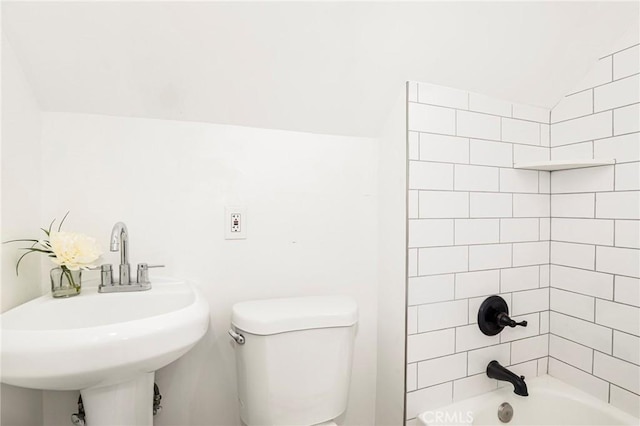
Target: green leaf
(25, 240)
(35, 249)
(50, 225)
(45, 231)
(62, 221)
(20, 259)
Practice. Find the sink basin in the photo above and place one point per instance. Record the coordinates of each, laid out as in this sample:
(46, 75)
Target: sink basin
(102, 343)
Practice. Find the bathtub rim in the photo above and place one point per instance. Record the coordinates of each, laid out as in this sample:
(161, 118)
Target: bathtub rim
(551, 385)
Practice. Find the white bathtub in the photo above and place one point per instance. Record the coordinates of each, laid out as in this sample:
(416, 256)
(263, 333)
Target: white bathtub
(550, 402)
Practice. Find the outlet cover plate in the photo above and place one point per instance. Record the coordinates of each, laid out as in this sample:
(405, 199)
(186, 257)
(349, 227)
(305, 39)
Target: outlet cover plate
(235, 223)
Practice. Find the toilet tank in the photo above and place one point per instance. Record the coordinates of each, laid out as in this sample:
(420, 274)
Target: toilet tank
(294, 366)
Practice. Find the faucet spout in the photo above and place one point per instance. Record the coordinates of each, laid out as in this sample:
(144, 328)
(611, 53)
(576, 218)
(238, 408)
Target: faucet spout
(497, 371)
(120, 241)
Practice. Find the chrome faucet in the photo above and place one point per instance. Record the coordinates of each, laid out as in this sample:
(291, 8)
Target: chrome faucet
(120, 241)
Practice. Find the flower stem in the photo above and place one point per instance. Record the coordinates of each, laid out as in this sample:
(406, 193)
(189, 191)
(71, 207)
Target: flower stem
(66, 271)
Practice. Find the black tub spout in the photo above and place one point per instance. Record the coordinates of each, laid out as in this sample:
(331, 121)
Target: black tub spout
(498, 372)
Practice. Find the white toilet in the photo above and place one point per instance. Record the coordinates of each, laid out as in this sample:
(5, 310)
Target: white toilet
(293, 359)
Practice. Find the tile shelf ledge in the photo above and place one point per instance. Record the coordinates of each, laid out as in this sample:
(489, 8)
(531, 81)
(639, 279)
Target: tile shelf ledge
(554, 165)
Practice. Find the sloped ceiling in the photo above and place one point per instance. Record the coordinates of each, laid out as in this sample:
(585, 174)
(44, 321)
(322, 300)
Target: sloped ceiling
(316, 67)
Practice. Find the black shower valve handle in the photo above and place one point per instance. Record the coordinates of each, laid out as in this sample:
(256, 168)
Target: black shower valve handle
(493, 316)
(505, 321)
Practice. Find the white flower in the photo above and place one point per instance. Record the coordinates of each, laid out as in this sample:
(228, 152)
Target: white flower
(73, 250)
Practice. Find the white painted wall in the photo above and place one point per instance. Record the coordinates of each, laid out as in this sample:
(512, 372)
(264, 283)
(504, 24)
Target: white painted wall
(180, 64)
(21, 202)
(312, 229)
(392, 264)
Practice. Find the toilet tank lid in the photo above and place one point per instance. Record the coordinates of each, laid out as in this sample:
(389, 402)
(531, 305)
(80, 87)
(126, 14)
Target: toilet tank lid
(271, 316)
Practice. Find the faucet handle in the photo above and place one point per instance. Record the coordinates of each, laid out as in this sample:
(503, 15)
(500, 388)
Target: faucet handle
(143, 272)
(106, 274)
(504, 320)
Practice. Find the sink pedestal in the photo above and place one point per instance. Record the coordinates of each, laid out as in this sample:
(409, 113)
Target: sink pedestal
(123, 404)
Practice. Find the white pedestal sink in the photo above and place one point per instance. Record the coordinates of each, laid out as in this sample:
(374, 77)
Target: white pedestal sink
(108, 346)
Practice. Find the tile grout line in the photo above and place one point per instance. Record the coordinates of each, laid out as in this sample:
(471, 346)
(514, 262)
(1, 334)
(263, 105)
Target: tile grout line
(590, 270)
(595, 299)
(614, 291)
(475, 111)
(455, 340)
(484, 139)
(455, 121)
(612, 345)
(591, 114)
(614, 233)
(593, 350)
(621, 50)
(613, 129)
(528, 265)
(612, 68)
(613, 80)
(608, 383)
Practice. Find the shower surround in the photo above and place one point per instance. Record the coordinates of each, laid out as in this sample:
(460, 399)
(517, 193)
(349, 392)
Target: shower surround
(477, 227)
(594, 341)
(561, 247)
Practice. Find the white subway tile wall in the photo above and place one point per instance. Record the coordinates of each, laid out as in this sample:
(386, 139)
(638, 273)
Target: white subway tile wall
(472, 385)
(576, 151)
(595, 235)
(627, 290)
(625, 120)
(520, 131)
(573, 106)
(590, 179)
(599, 74)
(562, 248)
(527, 112)
(623, 148)
(545, 228)
(589, 127)
(525, 153)
(442, 96)
(616, 94)
(448, 149)
(545, 139)
(477, 228)
(624, 400)
(627, 62)
(488, 153)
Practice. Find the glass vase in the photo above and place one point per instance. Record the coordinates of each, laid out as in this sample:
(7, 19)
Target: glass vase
(65, 282)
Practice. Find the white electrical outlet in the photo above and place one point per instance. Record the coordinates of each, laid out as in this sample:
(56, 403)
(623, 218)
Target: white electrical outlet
(235, 223)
